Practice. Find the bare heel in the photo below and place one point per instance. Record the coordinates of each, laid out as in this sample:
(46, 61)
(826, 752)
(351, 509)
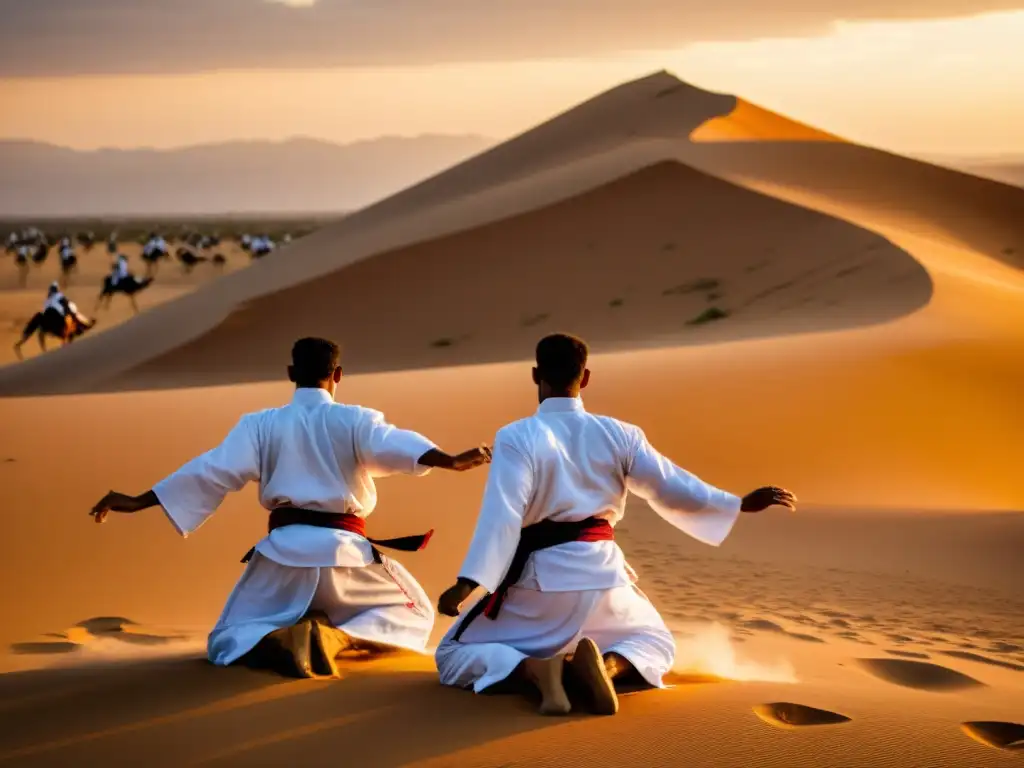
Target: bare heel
(546, 674)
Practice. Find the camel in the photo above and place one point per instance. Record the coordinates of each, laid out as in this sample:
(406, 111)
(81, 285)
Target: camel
(21, 260)
(68, 264)
(129, 286)
(50, 322)
(189, 258)
(41, 252)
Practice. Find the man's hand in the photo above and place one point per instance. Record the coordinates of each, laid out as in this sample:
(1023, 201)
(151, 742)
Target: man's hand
(458, 463)
(121, 502)
(762, 498)
(451, 600)
(471, 459)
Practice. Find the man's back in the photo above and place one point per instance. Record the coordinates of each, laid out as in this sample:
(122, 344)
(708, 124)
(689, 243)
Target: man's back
(564, 464)
(578, 461)
(320, 455)
(312, 454)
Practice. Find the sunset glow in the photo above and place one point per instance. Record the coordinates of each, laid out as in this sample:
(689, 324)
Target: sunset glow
(917, 86)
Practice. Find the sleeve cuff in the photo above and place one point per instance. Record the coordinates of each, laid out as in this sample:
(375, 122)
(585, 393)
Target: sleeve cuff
(176, 516)
(422, 446)
(486, 582)
(719, 517)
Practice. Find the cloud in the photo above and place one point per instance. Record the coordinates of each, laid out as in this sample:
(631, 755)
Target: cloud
(89, 37)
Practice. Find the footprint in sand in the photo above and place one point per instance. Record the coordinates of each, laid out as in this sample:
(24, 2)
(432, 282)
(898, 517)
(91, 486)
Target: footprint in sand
(88, 631)
(922, 675)
(764, 625)
(44, 647)
(1008, 736)
(785, 714)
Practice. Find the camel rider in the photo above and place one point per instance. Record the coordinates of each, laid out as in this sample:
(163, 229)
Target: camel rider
(55, 299)
(120, 271)
(59, 303)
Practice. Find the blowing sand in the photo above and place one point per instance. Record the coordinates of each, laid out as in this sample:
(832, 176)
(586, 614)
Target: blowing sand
(865, 352)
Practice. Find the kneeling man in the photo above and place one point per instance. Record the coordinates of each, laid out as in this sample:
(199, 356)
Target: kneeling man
(561, 599)
(316, 585)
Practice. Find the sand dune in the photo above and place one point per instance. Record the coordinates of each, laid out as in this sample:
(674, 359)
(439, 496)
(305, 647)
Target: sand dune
(638, 262)
(611, 149)
(865, 352)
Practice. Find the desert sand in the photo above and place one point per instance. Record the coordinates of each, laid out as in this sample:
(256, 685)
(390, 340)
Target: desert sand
(770, 303)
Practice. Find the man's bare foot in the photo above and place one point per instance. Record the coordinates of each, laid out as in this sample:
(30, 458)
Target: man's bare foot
(617, 666)
(589, 671)
(294, 641)
(546, 674)
(327, 643)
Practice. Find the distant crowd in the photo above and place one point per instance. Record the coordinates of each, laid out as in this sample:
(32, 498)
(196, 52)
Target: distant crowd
(61, 319)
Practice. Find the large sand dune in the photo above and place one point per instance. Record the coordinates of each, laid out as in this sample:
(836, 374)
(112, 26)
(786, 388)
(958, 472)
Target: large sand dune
(870, 359)
(609, 153)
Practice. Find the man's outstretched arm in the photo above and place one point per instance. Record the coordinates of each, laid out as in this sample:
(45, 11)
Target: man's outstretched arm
(194, 492)
(384, 450)
(688, 503)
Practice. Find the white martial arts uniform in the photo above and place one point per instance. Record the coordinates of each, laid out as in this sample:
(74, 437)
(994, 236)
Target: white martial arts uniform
(564, 464)
(318, 455)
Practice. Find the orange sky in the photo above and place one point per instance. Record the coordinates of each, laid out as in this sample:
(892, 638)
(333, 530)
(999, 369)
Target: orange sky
(938, 86)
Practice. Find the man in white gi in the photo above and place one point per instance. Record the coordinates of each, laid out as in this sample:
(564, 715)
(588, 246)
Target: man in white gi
(316, 585)
(544, 550)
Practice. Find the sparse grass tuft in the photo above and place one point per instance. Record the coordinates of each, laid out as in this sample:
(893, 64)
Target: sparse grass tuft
(709, 315)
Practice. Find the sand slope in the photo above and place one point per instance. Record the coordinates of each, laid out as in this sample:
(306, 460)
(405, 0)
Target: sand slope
(609, 140)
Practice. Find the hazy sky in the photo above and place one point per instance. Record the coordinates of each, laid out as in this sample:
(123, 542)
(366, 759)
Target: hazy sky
(909, 75)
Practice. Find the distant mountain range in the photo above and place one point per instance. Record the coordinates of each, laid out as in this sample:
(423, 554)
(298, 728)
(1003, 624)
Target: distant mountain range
(1010, 172)
(293, 176)
(1008, 169)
